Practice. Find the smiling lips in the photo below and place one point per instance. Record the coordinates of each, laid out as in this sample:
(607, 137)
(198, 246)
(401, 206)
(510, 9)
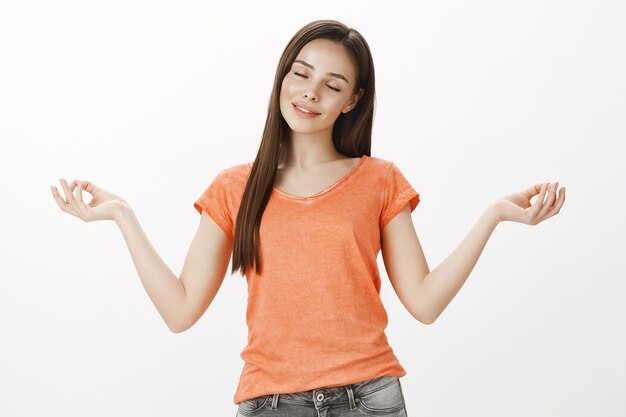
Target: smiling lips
(304, 110)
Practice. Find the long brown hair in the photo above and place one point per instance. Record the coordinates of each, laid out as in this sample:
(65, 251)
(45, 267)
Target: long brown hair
(352, 133)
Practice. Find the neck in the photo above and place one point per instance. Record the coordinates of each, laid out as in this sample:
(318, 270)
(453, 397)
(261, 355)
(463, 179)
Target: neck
(309, 149)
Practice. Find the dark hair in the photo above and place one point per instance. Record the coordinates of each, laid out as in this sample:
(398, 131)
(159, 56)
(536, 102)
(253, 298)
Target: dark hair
(352, 133)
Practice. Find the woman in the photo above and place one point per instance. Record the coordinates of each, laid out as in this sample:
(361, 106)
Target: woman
(304, 223)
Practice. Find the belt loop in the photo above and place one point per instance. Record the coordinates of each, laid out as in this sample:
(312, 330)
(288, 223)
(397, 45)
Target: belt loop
(350, 397)
(274, 402)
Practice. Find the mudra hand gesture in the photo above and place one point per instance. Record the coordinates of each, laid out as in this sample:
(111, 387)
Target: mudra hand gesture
(516, 207)
(104, 205)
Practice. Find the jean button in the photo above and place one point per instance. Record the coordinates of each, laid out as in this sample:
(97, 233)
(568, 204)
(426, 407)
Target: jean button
(320, 397)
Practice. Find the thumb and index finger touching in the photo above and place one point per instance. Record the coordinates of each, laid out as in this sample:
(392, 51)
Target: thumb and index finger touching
(536, 189)
(68, 190)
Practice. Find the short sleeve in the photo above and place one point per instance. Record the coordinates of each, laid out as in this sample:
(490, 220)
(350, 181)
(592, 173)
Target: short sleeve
(215, 201)
(397, 193)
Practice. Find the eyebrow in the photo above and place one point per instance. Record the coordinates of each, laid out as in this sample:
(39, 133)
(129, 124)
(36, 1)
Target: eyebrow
(334, 74)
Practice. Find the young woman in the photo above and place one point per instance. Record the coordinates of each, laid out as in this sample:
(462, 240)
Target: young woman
(304, 223)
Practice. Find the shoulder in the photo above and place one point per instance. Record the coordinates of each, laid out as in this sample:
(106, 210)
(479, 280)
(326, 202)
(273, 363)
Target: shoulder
(232, 179)
(380, 167)
(239, 172)
(380, 162)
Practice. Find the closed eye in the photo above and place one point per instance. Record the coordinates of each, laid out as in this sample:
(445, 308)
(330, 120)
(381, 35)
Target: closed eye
(332, 88)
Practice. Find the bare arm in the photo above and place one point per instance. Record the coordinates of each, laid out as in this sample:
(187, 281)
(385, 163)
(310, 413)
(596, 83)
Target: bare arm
(180, 302)
(425, 294)
(443, 283)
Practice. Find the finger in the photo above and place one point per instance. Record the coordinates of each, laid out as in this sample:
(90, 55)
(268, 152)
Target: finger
(559, 203)
(547, 206)
(73, 200)
(533, 191)
(58, 198)
(538, 203)
(88, 186)
(69, 197)
(554, 194)
(79, 197)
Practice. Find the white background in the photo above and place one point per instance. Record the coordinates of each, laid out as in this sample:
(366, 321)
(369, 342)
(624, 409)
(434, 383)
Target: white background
(475, 100)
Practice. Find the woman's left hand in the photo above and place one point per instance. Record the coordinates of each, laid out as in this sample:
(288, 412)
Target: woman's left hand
(516, 207)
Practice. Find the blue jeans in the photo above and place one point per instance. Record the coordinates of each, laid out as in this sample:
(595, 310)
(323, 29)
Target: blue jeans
(380, 396)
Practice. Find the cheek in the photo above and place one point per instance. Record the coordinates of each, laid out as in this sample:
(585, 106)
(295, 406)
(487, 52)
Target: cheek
(286, 94)
(286, 89)
(338, 105)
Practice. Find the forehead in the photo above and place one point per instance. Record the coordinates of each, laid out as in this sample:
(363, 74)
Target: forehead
(328, 56)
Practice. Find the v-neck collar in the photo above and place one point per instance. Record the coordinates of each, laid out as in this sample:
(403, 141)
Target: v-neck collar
(325, 190)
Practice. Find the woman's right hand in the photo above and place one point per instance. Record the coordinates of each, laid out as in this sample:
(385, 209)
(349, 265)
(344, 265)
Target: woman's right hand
(104, 205)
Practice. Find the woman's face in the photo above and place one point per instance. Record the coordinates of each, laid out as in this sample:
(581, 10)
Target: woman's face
(322, 78)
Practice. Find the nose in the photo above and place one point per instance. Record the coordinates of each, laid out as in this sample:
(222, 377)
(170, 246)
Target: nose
(310, 95)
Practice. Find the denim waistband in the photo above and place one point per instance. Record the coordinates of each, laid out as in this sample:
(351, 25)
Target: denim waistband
(333, 395)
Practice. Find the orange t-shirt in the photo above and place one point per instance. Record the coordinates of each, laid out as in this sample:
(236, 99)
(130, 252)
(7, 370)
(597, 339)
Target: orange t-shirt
(315, 317)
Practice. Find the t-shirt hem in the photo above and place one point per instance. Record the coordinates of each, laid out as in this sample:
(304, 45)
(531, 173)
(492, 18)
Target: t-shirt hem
(204, 204)
(408, 196)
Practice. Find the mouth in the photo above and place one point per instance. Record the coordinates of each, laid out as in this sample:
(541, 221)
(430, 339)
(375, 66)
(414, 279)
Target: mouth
(304, 109)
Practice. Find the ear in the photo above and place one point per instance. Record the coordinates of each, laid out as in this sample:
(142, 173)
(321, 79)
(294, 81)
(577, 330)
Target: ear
(355, 99)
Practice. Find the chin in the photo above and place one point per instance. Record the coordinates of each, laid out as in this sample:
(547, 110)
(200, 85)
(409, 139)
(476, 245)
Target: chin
(300, 126)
